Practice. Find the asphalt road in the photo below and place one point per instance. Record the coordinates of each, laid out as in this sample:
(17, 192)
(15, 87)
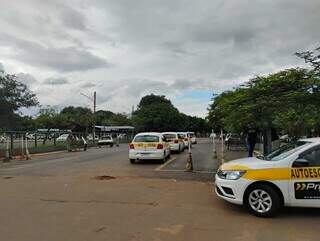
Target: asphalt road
(114, 161)
(99, 195)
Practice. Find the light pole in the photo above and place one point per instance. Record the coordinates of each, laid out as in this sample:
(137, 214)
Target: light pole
(94, 99)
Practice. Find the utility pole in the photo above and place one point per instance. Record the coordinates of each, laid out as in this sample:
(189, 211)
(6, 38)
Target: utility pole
(94, 112)
(94, 115)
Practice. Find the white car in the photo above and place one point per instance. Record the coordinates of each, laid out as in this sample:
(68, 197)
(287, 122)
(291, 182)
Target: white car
(90, 137)
(192, 137)
(184, 137)
(289, 176)
(62, 138)
(149, 146)
(105, 141)
(176, 143)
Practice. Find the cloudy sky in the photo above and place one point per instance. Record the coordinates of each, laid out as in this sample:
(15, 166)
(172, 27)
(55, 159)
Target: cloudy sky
(124, 49)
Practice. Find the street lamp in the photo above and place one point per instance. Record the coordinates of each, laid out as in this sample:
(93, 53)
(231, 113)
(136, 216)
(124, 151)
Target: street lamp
(94, 99)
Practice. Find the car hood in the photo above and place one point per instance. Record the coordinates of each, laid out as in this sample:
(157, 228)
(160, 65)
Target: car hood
(245, 164)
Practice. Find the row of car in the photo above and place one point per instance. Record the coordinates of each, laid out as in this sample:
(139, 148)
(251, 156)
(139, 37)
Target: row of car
(159, 146)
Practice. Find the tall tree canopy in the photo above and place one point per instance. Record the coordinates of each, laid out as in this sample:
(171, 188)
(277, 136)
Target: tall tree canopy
(156, 113)
(285, 100)
(13, 96)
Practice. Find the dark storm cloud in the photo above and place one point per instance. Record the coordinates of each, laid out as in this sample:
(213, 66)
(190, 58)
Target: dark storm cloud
(56, 81)
(65, 59)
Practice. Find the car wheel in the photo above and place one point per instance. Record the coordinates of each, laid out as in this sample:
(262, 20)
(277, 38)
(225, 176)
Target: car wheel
(132, 161)
(111, 145)
(263, 201)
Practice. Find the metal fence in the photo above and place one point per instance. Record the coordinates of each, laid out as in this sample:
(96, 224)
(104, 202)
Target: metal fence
(20, 143)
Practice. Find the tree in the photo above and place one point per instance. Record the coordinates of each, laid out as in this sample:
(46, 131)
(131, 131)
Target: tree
(77, 118)
(13, 96)
(268, 102)
(156, 113)
(312, 58)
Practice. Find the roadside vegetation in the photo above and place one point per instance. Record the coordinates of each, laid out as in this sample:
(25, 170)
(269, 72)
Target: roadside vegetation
(287, 102)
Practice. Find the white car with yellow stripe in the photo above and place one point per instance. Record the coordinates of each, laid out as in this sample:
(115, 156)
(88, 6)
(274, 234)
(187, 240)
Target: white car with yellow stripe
(289, 176)
(176, 143)
(149, 146)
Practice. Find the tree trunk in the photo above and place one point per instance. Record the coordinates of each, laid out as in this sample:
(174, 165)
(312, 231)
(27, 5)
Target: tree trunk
(267, 141)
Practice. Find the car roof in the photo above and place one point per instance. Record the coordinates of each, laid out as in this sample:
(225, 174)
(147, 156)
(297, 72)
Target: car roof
(170, 133)
(149, 133)
(313, 139)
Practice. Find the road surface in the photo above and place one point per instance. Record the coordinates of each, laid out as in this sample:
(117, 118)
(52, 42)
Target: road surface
(99, 195)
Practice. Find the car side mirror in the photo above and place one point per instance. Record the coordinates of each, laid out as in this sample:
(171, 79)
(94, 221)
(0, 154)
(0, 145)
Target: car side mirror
(300, 163)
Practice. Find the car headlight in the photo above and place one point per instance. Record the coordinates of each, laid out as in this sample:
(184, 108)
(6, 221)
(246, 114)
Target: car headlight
(230, 175)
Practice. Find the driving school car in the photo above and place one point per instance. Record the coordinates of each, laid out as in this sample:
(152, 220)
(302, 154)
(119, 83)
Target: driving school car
(149, 146)
(289, 176)
(175, 142)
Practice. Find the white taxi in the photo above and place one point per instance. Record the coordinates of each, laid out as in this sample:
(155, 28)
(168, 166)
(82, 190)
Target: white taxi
(289, 176)
(176, 143)
(149, 146)
(184, 137)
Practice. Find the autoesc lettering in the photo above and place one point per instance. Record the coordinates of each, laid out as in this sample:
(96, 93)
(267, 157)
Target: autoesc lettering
(301, 173)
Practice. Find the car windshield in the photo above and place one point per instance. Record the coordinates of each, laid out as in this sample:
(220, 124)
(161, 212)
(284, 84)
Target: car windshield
(284, 151)
(181, 136)
(169, 136)
(146, 138)
(106, 138)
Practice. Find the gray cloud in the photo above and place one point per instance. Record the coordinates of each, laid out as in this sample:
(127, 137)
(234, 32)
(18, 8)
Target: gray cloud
(27, 79)
(66, 59)
(56, 81)
(88, 85)
(164, 47)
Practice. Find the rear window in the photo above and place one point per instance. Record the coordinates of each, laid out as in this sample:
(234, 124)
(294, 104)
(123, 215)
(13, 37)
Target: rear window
(170, 136)
(191, 134)
(181, 136)
(146, 138)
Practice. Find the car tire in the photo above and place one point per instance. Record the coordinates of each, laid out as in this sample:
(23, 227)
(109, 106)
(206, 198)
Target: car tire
(111, 145)
(263, 200)
(132, 161)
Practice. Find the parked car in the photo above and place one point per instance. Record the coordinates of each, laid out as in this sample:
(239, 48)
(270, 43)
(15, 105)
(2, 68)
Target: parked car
(176, 143)
(184, 137)
(288, 176)
(150, 146)
(90, 137)
(62, 138)
(105, 141)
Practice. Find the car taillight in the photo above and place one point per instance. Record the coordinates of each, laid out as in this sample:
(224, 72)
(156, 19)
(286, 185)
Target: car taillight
(160, 146)
(131, 146)
(176, 141)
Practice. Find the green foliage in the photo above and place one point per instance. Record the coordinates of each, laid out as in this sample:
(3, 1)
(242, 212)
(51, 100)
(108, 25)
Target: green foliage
(13, 95)
(156, 113)
(286, 100)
